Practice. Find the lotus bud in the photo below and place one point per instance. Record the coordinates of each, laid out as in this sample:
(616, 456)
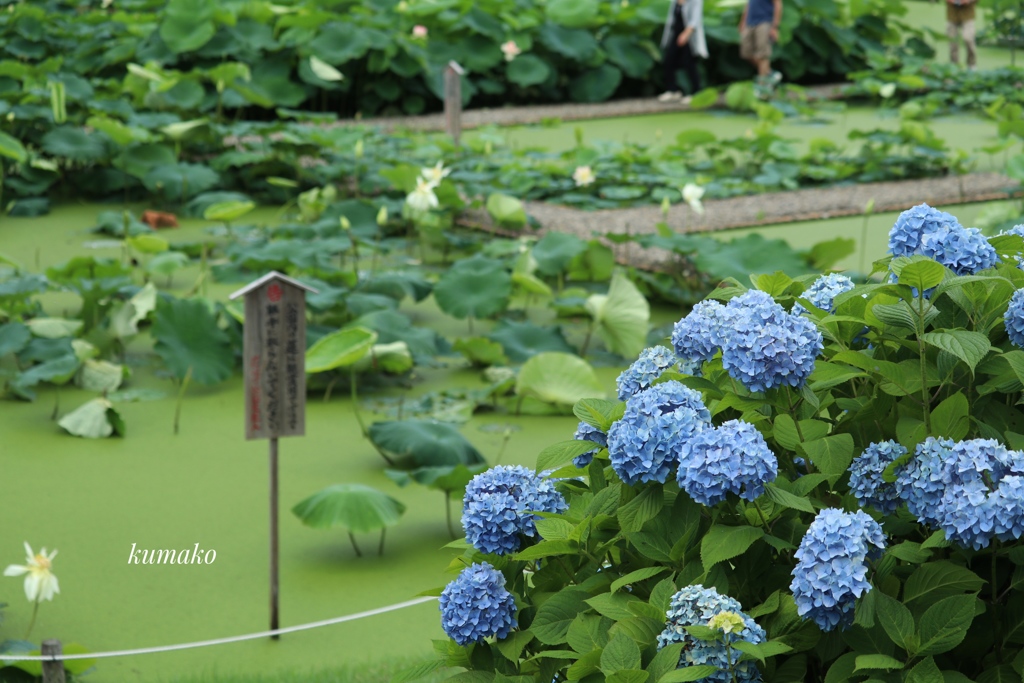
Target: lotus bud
(359, 148)
(665, 206)
(382, 216)
(345, 224)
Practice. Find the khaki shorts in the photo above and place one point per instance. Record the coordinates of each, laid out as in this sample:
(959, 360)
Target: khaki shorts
(756, 42)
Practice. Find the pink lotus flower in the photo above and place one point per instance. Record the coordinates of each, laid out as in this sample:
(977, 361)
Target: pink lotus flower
(419, 31)
(511, 50)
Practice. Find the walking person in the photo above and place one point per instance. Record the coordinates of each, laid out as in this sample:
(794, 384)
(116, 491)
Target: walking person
(682, 42)
(960, 20)
(759, 31)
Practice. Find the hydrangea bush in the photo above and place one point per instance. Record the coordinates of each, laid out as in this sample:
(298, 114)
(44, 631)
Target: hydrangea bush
(824, 493)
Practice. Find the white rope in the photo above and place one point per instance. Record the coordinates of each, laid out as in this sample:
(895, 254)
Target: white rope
(216, 641)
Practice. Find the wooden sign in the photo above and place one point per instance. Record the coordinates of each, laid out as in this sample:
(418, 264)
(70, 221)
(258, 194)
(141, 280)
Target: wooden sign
(274, 352)
(453, 99)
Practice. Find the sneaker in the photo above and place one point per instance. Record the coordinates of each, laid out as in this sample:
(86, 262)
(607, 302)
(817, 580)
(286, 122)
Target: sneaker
(670, 96)
(686, 101)
(774, 78)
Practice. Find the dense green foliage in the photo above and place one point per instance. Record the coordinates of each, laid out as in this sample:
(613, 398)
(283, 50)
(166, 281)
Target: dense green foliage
(593, 588)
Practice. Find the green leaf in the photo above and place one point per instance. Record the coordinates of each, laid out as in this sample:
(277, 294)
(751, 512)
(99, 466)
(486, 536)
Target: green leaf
(339, 349)
(228, 211)
(551, 625)
(354, 507)
(597, 412)
(725, 542)
(548, 549)
(1002, 673)
(775, 284)
(527, 70)
(589, 663)
(558, 378)
(188, 337)
(13, 338)
(944, 625)
(641, 509)
(563, 452)
(896, 619)
(96, 419)
(555, 251)
(613, 605)
(100, 376)
(636, 576)
(877, 662)
(938, 580)
(621, 652)
(627, 676)
(477, 287)
(787, 499)
(704, 99)
(72, 142)
(188, 24)
(832, 455)
(951, 418)
(595, 85)
(970, 347)
(921, 273)
(507, 211)
(422, 443)
(10, 148)
(415, 673)
(926, 671)
(621, 317)
(688, 673)
(53, 328)
(574, 13)
(588, 632)
(512, 646)
(124, 322)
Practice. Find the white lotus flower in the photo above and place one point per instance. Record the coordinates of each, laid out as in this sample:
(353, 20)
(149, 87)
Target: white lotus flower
(435, 174)
(583, 175)
(887, 90)
(510, 50)
(423, 197)
(692, 194)
(419, 31)
(40, 584)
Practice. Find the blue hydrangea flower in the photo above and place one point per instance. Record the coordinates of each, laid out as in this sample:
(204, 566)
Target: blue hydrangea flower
(644, 445)
(866, 481)
(698, 336)
(965, 251)
(476, 605)
(732, 458)
(696, 606)
(585, 432)
(912, 224)
(1014, 318)
(766, 346)
(498, 506)
(831, 570)
(1017, 230)
(644, 370)
(968, 489)
(823, 290)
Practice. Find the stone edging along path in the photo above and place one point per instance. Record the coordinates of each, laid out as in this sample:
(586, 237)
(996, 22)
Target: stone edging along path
(756, 210)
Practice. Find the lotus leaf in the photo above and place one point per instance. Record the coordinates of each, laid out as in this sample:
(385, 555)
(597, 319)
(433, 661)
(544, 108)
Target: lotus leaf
(523, 340)
(527, 70)
(339, 349)
(621, 317)
(423, 443)
(355, 507)
(477, 287)
(188, 338)
(96, 419)
(100, 376)
(558, 378)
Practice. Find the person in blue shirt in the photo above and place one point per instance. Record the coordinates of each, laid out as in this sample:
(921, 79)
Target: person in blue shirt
(759, 30)
(683, 42)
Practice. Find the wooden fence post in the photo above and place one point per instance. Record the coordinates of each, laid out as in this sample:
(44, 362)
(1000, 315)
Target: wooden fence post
(453, 100)
(53, 670)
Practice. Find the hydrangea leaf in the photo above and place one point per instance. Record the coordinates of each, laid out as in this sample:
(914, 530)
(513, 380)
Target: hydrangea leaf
(688, 674)
(869, 662)
(896, 619)
(832, 455)
(355, 507)
(970, 347)
(187, 336)
(726, 542)
(936, 580)
(622, 316)
(944, 625)
(555, 616)
(620, 653)
(558, 378)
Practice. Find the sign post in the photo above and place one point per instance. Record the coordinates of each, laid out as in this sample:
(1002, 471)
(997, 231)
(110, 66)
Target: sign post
(453, 99)
(274, 353)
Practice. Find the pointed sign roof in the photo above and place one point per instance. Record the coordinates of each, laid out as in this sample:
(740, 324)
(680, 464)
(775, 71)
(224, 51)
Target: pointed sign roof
(272, 275)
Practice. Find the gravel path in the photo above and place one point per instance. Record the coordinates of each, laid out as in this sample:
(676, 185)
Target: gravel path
(517, 116)
(762, 209)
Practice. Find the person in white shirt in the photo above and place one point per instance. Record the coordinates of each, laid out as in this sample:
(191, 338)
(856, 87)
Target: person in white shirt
(682, 42)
